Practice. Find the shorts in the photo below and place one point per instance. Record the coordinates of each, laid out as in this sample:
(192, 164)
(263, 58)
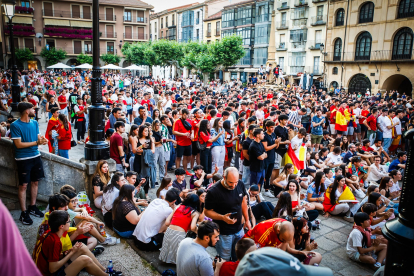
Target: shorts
(183, 151)
(30, 170)
(358, 129)
(278, 162)
(229, 153)
(167, 154)
(84, 241)
(355, 257)
(332, 127)
(363, 128)
(341, 132)
(194, 149)
(316, 139)
(60, 272)
(129, 111)
(349, 131)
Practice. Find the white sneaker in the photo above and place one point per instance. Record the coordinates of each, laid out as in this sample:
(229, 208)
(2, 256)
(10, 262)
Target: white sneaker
(360, 193)
(268, 194)
(109, 241)
(261, 197)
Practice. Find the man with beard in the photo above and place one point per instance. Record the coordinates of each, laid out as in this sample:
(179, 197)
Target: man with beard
(26, 140)
(226, 203)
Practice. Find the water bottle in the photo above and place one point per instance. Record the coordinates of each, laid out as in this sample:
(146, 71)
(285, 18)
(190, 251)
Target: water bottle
(110, 267)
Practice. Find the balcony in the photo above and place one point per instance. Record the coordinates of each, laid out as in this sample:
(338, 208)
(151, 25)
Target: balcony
(218, 33)
(373, 56)
(32, 49)
(299, 23)
(318, 1)
(133, 20)
(294, 70)
(263, 18)
(315, 44)
(68, 33)
(299, 3)
(208, 34)
(20, 30)
(23, 10)
(172, 26)
(298, 46)
(67, 14)
(138, 36)
(318, 20)
(107, 17)
(281, 25)
(283, 6)
(110, 35)
(281, 47)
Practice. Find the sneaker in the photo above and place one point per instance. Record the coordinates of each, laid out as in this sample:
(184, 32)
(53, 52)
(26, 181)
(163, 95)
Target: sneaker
(109, 241)
(377, 265)
(360, 193)
(34, 211)
(349, 219)
(98, 250)
(115, 273)
(188, 173)
(268, 194)
(25, 218)
(261, 197)
(157, 184)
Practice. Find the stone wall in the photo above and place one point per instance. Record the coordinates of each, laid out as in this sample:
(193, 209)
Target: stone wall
(58, 172)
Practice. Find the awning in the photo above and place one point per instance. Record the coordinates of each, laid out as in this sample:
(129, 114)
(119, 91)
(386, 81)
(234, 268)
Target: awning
(56, 22)
(83, 24)
(20, 20)
(251, 70)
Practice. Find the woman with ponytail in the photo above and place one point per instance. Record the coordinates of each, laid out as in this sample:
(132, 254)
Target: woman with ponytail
(65, 136)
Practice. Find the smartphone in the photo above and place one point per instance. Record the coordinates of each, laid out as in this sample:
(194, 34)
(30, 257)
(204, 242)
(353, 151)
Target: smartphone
(217, 258)
(373, 237)
(233, 215)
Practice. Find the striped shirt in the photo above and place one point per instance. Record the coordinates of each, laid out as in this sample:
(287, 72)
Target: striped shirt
(164, 134)
(295, 118)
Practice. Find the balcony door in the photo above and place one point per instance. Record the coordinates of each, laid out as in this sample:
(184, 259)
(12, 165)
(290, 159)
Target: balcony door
(109, 14)
(87, 46)
(128, 32)
(110, 31)
(76, 11)
(28, 43)
(140, 33)
(87, 12)
(77, 47)
(48, 9)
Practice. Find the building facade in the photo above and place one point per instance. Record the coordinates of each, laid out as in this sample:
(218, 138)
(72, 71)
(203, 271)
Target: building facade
(190, 23)
(300, 27)
(67, 25)
(212, 27)
(369, 45)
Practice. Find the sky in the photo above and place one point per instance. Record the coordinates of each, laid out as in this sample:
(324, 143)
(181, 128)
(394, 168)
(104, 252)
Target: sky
(160, 5)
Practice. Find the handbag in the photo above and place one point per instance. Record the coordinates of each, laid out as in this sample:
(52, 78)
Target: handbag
(198, 145)
(73, 142)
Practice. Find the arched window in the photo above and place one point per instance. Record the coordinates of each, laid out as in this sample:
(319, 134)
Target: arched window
(334, 84)
(337, 49)
(406, 9)
(363, 46)
(359, 83)
(403, 44)
(366, 14)
(340, 16)
(335, 71)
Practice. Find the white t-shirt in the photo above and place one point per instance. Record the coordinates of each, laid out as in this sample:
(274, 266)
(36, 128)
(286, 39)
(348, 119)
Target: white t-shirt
(152, 220)
(354, 241)
(259, 114)
(335, 159)
(295, 143)
(396, 120)
(386, 133)
(357, 112)
(108, 200)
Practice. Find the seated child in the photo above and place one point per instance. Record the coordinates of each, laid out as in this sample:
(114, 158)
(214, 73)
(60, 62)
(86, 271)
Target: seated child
(243, 247)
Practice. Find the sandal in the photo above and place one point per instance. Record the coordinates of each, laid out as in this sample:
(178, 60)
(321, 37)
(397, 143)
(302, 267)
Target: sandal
(98, 250)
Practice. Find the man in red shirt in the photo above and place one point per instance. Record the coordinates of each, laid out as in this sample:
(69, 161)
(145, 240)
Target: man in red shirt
(362, 117)
(31, 100)
(198, 116)
(272, 232)
(182, 131)
(47, 252)
(63, 102)
(116, 147)
(371, 124)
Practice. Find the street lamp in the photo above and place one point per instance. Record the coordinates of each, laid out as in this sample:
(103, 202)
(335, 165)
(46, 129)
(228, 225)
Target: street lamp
(96, 149)
(8, 6)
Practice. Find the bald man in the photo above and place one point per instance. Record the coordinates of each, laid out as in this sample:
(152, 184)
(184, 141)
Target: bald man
(272, 232)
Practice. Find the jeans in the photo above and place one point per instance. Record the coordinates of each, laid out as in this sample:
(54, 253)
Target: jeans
(236, 160)
(218, 154)
(226, 245)
(126, 234)
(63, 153)
(257, 177)
(269, 169)
(379, 135)
(80, 135)
(119, 168)
(306, 126)
(172, 155)
(246, 176)
(386, 144)
(263, 209)
(205, 161)
(160, 162)
(371, 136)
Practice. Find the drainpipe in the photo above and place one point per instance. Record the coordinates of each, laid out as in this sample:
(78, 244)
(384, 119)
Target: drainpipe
(343, 48)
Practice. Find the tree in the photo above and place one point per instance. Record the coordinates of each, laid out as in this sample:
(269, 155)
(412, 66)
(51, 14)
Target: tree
(110, 58)
(82, 58)
(192, 50)
(228, 51)
(23, 55)
(53, 56)
(134, 53)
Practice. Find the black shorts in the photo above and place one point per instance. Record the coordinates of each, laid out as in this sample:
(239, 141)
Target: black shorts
(194, 149)
(229, 153)
(30, 170)
(340, 132)
(183, 151)
(364, 128)
(84, 241)
(60, 272)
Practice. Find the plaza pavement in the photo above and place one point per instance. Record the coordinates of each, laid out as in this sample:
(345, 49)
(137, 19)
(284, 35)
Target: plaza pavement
(331, 239)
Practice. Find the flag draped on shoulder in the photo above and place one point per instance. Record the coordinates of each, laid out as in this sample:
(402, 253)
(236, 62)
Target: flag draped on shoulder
(346, 196)
(296, 158)
(342, 119)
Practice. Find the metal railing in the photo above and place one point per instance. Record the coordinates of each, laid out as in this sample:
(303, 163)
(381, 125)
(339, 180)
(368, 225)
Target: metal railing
(67, 14)
(297, 69)
(318, 20)
(107, 17)
(281, 47)
(283, 5)
(208, 34)
(299, 23)
(375, 55)
(138, 36)
(128, 19)
(108, 35)
(318, 1)
(218, 33)
(298, 46)
(281, 25)
(32, 49)
(315, 44)
(299, 14)
(300, 3)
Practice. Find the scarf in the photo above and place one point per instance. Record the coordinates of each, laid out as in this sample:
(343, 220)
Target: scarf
(366, 233)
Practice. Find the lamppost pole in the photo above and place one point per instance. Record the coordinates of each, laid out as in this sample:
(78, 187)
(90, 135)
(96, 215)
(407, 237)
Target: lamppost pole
(96, 149)
(400, 231)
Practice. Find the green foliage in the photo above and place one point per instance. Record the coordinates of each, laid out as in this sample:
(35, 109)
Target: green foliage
(53, 56)
(134, 53)
(150, 57)
(228, 51)
(23, 55)
(111, 59)
(82, 58)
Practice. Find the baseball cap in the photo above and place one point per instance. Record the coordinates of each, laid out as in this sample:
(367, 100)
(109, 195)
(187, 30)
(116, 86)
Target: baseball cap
(273, 261)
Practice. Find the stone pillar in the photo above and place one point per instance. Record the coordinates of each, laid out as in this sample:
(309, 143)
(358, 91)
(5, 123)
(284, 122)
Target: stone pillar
(271, 50)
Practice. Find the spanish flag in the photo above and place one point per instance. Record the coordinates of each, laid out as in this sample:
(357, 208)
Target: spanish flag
(342, 119)
(297, 161)
(396, 138)
(346, 196)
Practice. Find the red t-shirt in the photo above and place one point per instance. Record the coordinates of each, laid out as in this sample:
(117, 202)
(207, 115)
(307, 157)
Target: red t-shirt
(52, 247)
(264, 234)
(146, 102)
(194, 123)
(81, 116)
(179, 127)
(228, 268)
(363, 113)
(204, 138)
(123, 102)
(228, 137)
(372, 122)
(62, 98)
(33, 102)
(65, 137)
(115, 142)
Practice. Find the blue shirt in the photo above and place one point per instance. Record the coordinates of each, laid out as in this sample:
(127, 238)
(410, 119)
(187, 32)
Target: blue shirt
(348, 156)
(220, 140)
(394, 165)
(318, 130)
(312, 190)
(27, 132)
(138, 120)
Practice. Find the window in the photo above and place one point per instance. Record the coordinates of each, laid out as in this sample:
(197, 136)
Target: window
(316, 65)
(247, 34)
(403, 44)
(198, 18)
(337, 49)
(172, 20)
(87, 12)
(260, 56)
(209, 29)
(263, 12)
(47, 9)
(363, 46)
(110, 48)
(366, 14)
(298, 35)
(87, 47)
(140, 16)
(281, 63)
(406, 9)
(110, 31)
(198, 34)
(334, 84)
(319, 12)
(162, 23)
(128, 32)
(335, 71)
(25, 4)
(225, 33)
(187, 18)
(282, 44)
(340, 15)
(227, 19)
(109, 14)
(318, 39)
(76, 11)
(245, 16)
(128, 16)
(283, 19)
(77, 47)
(50, 42)
(359, 83)
(247, 59)
(217, 28)
(262, 34)
(162, 34)
(155, 26)
(166, 22)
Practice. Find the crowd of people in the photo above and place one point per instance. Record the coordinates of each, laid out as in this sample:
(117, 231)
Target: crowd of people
(231, 148)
